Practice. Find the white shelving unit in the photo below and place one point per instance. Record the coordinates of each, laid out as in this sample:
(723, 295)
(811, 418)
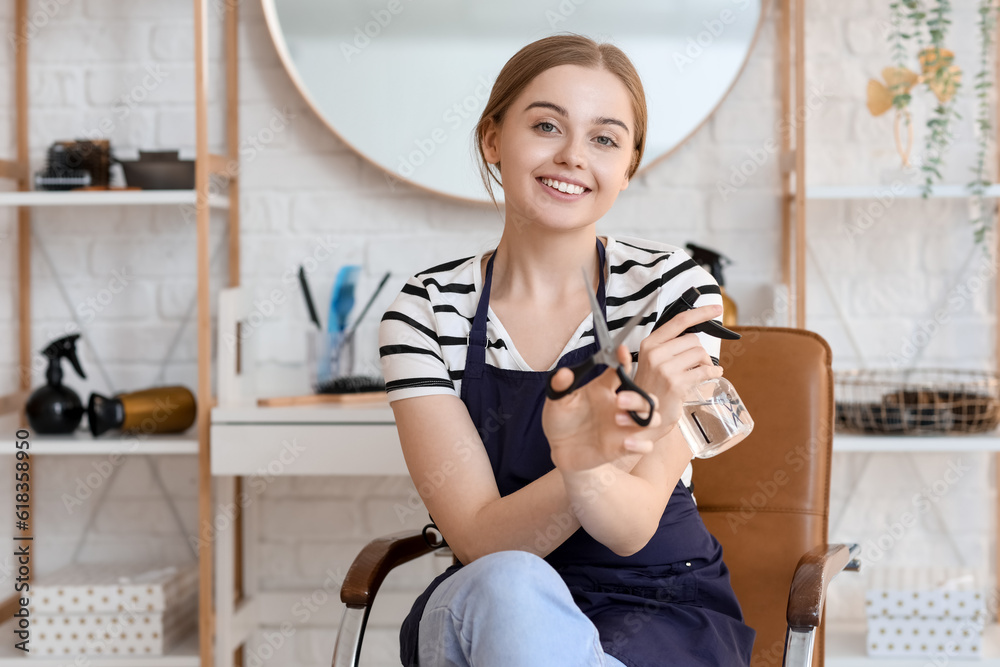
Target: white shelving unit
(845, 645)
(845, 642)
(198, 648)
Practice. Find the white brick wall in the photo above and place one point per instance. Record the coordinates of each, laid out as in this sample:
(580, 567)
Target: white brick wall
(304, 190)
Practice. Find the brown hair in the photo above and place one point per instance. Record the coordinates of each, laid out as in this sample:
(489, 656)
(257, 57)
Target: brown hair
(544, 54)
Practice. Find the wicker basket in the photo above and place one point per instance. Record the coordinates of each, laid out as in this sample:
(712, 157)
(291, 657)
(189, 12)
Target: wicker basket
(914, 402)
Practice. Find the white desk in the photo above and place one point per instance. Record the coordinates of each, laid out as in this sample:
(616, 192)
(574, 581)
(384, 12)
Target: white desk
(249, 441)
(328, 440)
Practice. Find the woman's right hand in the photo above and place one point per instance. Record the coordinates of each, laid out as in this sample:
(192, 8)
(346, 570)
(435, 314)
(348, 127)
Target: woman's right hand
(583, 427)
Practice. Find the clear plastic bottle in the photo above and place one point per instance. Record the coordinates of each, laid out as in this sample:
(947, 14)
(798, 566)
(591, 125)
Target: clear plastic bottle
(713, 418)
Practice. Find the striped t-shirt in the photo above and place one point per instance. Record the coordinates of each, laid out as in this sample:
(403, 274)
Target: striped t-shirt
(424, 334)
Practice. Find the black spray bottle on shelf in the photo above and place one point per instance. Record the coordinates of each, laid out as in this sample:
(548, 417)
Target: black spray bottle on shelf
(712, 261)
(55, 408)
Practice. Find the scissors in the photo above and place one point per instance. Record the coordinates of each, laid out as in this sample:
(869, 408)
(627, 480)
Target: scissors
(607, 356)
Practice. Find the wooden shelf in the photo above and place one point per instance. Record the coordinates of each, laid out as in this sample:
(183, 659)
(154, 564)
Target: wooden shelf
(845, 647)
(947, 191)
(108, 198)
(184, 654)
(973, 442)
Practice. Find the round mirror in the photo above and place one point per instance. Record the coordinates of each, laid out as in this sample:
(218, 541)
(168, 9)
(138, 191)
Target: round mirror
(403, 82)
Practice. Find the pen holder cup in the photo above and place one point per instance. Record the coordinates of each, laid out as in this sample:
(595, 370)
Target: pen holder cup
(331, 355)
(713, 418)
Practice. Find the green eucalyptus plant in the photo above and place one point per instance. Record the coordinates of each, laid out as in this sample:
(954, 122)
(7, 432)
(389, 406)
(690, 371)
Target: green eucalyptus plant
(986, 22)
(927, 28)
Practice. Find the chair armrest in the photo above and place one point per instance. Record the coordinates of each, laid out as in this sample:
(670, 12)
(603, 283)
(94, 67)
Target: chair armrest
(374, 563)
(813, 575)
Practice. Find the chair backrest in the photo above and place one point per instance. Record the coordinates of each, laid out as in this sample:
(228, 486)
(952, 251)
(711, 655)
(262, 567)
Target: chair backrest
(767, 499)
(236, 378)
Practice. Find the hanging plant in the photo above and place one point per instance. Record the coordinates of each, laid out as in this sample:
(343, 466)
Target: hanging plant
(941, 77)
(937, 73)
(977, 187)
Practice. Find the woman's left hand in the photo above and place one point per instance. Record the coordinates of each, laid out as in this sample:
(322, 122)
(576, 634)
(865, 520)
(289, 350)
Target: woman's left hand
(671, 363)
(589, 427)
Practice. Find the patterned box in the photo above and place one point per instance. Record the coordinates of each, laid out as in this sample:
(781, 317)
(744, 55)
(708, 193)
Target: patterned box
(925, 612)
(113, 610)
(106, 588)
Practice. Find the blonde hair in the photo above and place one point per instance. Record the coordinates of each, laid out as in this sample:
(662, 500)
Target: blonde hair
(544, 54)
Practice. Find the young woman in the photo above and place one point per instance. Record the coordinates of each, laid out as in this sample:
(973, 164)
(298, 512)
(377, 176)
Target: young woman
(578, 539)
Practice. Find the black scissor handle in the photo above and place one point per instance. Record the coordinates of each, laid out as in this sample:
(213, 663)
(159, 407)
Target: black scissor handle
(628, 385)
(579, 371)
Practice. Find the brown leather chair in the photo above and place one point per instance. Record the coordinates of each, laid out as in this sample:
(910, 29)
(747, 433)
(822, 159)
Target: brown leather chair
(766, 500)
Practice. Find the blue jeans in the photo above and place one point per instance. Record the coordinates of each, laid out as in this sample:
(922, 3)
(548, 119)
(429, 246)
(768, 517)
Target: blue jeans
(508, 608)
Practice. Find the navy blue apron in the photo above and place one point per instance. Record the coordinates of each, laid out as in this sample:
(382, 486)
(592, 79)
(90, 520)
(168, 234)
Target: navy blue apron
(671, 602)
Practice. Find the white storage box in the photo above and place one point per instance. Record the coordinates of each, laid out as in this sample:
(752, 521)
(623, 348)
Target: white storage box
(112, 610)
(925, 612)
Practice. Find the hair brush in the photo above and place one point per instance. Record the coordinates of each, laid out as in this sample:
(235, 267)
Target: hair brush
(351, 384)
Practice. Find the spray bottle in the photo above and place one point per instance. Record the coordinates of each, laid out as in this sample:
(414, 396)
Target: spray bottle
(712, 261)
(713, 418)
(55, 408)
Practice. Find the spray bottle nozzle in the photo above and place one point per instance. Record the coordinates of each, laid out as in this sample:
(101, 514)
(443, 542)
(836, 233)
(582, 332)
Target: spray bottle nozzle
(686, 301)
(56, 350)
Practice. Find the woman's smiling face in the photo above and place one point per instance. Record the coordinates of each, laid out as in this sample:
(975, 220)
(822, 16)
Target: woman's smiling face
(565, 146)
